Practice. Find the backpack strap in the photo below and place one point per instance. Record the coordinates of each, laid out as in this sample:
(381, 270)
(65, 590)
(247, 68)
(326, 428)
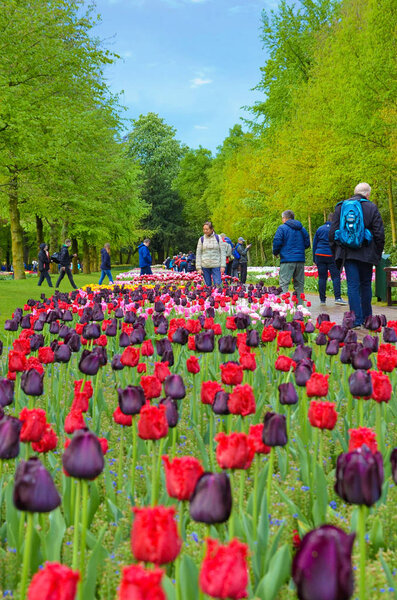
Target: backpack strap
(216, 237)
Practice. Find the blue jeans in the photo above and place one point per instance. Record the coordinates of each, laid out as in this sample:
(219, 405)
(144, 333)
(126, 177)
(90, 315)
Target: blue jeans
(146, 270)
(359, 289)
(325, 264)
(105, 272)
(212, 275)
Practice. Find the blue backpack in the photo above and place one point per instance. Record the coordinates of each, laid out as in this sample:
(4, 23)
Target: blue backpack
(236, 253)
(352, 232)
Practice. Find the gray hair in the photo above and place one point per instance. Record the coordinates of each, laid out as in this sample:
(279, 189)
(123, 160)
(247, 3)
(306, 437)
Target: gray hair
(288, 214)
(364, 189)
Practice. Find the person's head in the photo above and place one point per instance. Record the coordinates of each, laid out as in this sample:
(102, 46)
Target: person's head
(330, 217)
(287, 215)
(208, 228)
(107, 247)
(146, 241)
(364, 189)
(241, 240)
(68, 243)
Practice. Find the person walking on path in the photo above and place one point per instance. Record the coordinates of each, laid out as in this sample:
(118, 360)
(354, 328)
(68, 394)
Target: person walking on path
(44, 265)
(324, 259)
(240, 254)
(357, 239)
(229, 253)
(210, 256)
(64, 262)
(290, 242)
(145, 258)
(105, 264)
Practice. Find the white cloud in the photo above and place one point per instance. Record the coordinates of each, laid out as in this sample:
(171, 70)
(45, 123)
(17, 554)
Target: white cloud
(200, 127)
(199, 81)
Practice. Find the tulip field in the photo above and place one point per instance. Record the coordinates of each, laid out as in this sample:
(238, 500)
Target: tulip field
(161, 440)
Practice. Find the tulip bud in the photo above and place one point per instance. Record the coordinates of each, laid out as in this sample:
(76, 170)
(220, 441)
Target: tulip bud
(359, 476)
(89, 363)
(32, 382)
(211, 501)
(227, 344)
(171, 411)
(205, 341)
(83, 458)
(220, 403)
(10, 429)
(274, 430)
(174, 387)
(360, 384)
(361, 360)
(6, 392)
(131, 399)
(34, 489)
(287, 393)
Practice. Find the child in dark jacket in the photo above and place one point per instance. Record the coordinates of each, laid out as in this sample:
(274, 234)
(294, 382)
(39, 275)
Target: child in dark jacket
(145, 258)
(44, 265)
(105, 264)
(64, 262)
(324, 259)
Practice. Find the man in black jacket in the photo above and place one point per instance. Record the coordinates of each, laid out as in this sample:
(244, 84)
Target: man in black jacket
(44, 265)
(358, 262)
(64, 261)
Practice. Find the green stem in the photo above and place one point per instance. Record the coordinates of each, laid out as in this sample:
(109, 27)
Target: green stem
(269, 478)
(76, 526)
(320, 450)
(158, 467)
(134, 456)
(194, 400)
(84, 526)
(153, 491)
(26, 555)
(255, 499)
(361, 532)
(121, 461)
(241, 490)
(211, 440)
(173, 442)
(360, 412)
(231, 518)
(379, 415)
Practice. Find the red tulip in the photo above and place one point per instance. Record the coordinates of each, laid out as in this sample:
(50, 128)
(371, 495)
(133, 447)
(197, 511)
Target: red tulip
(121, 419)
(21, 345)
(74, 421)
(224, 570)
(284, 363)
(154, 535)
(362, 436)
(248, 361)
(152, 424)
(46, 355)
(151, 386)
(317, 385)
(242, 401)
(141, 368)
(147, 348)
(256, 441)
(231, 323)
(34, 423)
(181, 475)
(130, 357)
(193, 365)
(16, 361)
(322, 414)
(381, 387)
(209, 390)
(161, 371)
(54, 582)
(87, 389)
(80, 402)
(139, 583)
(48, 441)
(234, 451)
(232, 373)
(284, 339)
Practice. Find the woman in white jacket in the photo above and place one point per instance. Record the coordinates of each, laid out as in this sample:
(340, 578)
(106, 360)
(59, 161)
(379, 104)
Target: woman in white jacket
(210, 256)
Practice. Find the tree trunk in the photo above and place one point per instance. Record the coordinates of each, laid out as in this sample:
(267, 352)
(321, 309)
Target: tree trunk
(160, 256)
(129, 255)
(65, 227)
(392, 214)
(54, 241)
(16, 230)
(75, 250)
(93, 259)
(26, 250)
(86, 258)
(39, 231)
(120, 257)
(309, 218)
(263, 257)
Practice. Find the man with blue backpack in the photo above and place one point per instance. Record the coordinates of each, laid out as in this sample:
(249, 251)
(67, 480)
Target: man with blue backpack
(357, 239)
(325, 262)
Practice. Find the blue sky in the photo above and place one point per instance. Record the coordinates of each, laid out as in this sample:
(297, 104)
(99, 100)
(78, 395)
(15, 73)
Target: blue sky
(193, 62)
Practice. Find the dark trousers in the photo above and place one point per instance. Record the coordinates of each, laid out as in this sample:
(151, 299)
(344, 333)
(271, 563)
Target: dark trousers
(228, 270)
(359, 288)
(66, 271)
(45, 275)
(325, 264)
(243, 272)
(146, 270)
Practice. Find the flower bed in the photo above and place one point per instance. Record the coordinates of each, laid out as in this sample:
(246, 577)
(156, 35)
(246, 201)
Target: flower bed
(169, 441)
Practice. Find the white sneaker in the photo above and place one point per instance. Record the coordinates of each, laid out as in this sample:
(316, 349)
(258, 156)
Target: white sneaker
(341, 301)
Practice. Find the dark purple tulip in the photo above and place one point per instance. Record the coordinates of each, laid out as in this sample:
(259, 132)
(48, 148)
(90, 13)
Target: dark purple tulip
(124, 340)
(278, 321)
(220, 403)
(253, 339)
(25, 322)
(83, 458)
(10, 428)
(159, 306)
(180, 336)
(163, 327)
(359, 476)
(32, 382)
(118, 313)
(274, 431)
(51, 316)
(389, 335)
(89, 363)
(373, 322)
(62, 353)
(332, 348)
(168, 357)
(322, 317)
(67, 316)
(174, 387)
(131, 399)
(101, 352)
(211, 501)
(351, 337)
(302, 352)
(205, 341)
(298, 316)
(111, 329)
(227, 344)
(287, 393)
(117, 365)
(54, 327)
(347, 353)
(360, 359)
(162, 346)
(360, 384)
(310, 328)
(64, 331)
(321, 339)
(137, 336)
(210, 312)
(349, 318)
(383, 320)
(74, 342)
(371, 342)
(6, 392)
(36, 341)
(11, 325)
(267, 312)
(34, 489)
(393, 460)
(91, 331)
(242, 320)
(38, 325)
(302, 374)
(171, 411)
(97, 313)
(322, 567)
(337, 332)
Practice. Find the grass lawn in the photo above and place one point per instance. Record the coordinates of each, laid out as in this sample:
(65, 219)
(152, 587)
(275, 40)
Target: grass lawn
(16, 293)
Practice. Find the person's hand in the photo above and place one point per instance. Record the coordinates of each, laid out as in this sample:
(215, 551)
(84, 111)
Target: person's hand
(200, 271)
(63, 268)
(75, 255)
(222, 270)
(249, 246)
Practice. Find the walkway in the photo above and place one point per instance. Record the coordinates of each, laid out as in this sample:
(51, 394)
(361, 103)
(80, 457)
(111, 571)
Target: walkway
(336, 312)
